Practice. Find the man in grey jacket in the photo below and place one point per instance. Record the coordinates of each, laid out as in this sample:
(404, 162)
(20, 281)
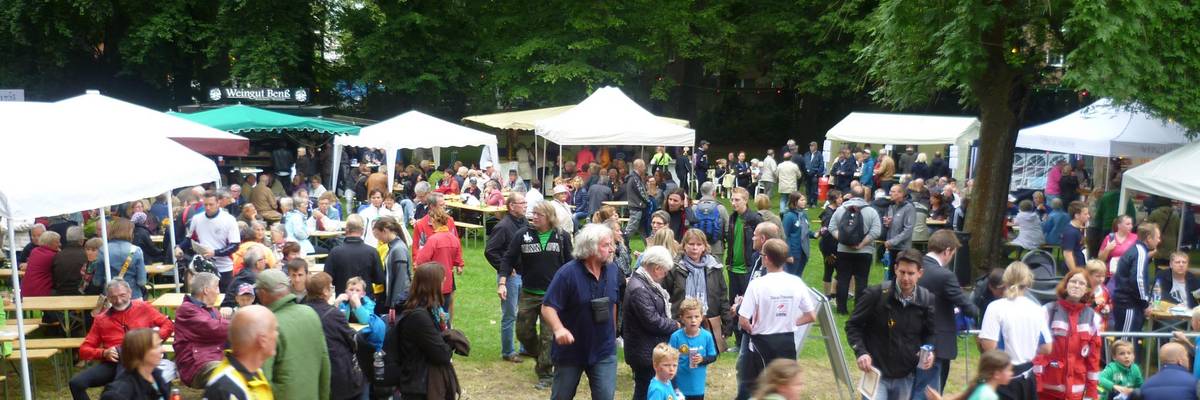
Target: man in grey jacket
(708, 201)
(899, 221)
(854, 259)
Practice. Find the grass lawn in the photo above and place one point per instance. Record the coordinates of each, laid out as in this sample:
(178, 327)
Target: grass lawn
(485, 376)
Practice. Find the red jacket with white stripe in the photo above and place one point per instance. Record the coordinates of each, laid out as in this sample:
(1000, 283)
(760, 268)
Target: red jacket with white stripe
(1072, 369)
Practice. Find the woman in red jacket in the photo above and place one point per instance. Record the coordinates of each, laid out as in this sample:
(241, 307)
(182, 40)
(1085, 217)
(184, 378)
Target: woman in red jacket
(1071, 370)
(39, 269)
(423, 229)
(443, 248)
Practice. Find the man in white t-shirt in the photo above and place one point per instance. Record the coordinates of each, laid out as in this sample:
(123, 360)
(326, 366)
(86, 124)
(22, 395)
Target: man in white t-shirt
(1021, 324)
(217, 231)
(772, 309)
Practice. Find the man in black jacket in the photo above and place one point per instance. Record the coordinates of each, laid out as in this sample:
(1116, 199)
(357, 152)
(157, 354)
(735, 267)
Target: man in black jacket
(535, 252)
(635, 194)
(701, 163)
(943, 283)
(843, 171)
(890, 323)
(739, 244)
(497, 245)
(355, 258)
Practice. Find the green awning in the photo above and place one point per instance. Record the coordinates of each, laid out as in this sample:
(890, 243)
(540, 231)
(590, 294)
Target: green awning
(242, 119)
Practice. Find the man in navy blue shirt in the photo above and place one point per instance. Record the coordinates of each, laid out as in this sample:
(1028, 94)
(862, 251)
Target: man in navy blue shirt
(580, 308)
(1173, 381)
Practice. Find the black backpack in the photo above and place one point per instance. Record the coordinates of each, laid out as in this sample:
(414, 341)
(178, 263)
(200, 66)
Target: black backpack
(851, 230)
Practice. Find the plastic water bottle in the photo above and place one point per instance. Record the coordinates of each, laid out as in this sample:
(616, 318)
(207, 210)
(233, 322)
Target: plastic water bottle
(378, 364)
(175, 395)
(1156, 297)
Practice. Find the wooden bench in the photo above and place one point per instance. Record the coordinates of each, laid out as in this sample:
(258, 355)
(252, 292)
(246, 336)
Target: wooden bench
(53, 343)
(469, 228)
(165, 287)
(36, 355)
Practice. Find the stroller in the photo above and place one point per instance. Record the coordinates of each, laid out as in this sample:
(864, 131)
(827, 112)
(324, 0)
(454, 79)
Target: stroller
(1045, 275)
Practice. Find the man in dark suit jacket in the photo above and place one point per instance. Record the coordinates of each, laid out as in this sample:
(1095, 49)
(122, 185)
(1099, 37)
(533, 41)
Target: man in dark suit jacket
(942, 282)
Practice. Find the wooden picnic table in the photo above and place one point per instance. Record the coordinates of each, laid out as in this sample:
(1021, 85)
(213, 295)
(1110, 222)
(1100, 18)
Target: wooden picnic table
(6, 273)
(325, 234)
(935, 222)
(480, 208)
(617, 204)
(9, 332)
(158, 268)
(315, 268)
(483, 210)
(156, 238)
(54, 303)
(174, 300)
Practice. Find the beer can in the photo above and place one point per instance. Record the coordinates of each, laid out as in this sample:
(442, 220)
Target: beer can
(692, 353)
(926, 352)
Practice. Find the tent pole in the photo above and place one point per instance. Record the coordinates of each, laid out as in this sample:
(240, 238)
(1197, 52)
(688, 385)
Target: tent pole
(12, 254)
(560, 161)
(337, 163)
(107, 254)
(171, 235)
(542, 190)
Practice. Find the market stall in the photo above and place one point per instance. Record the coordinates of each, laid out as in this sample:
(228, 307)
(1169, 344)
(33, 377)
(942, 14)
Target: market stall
(929, 133)
(415, 130)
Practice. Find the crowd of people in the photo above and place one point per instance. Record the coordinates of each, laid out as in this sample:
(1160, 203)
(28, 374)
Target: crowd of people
(257, 322)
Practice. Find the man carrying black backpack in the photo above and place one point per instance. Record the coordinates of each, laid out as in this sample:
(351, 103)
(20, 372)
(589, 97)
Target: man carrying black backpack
(855, 225)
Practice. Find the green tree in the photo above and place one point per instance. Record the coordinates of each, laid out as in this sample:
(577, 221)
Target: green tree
(992, 52)
(1140, 52)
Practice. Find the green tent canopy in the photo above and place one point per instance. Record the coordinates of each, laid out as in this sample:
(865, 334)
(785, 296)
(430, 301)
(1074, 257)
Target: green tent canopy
(242, 119)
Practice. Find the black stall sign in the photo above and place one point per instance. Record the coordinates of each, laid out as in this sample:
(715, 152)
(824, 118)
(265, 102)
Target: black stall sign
(294, 95)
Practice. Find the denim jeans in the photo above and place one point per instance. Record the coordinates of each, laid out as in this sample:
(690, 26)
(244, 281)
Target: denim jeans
(409, 208)
(508, 319)
(783, 198)
(895, 389)
(602, 379)
(931, 377)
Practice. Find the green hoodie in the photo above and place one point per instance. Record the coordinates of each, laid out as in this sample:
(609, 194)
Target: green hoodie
(1117, 374)
(300, 367)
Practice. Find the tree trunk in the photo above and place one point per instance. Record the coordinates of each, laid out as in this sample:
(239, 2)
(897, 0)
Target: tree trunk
(1003, 92)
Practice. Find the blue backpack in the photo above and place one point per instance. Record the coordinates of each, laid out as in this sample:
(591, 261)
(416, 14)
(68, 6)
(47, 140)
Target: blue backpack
(707, 218)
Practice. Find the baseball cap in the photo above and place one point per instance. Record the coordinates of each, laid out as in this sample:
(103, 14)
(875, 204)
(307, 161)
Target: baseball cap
(561, 189)
(245, 289)
(272, 280)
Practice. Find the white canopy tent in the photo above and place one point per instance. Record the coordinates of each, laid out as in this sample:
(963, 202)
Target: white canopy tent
(198, 137)
(908, 129)
(1162, 176)
(608, 117)
(415, 130)
(92, 173)
(1104, 129)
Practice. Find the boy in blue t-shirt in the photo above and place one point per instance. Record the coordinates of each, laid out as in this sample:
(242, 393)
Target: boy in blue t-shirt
(696, 347)
(666, 362)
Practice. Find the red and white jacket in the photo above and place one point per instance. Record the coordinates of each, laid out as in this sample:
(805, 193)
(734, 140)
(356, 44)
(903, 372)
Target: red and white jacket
(1072, 369)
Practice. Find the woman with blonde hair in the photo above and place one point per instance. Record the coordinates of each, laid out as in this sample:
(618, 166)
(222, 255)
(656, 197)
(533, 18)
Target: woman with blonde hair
(1022, 323)
(125, 259)
(780, 381)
